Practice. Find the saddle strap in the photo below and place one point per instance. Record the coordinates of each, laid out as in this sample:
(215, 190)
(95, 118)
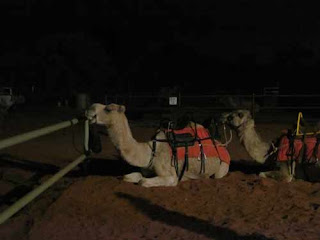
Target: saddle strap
(315, 150)
(174, 160)
(202, 159)
(185, 164)
(291, 151)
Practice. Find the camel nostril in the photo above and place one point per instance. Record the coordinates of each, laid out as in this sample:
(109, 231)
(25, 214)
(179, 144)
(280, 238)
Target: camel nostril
(91, 118)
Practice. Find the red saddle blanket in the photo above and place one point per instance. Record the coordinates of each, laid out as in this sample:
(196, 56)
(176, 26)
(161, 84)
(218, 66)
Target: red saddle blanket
(311, 154)
(287, 152)
(209, 149)
(304, 148)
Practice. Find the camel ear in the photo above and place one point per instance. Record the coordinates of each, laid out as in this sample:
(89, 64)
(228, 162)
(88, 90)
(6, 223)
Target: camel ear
(121, 108)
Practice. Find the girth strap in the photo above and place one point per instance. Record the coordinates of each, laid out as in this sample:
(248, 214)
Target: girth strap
(202, 158)
(174, 159)
(154, 149)
(185, 164)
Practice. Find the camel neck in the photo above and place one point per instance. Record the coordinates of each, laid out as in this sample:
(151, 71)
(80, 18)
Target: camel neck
(253, 143)
(120, 132)
(135, 153)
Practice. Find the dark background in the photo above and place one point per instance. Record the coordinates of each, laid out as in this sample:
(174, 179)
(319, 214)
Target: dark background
(62, 48)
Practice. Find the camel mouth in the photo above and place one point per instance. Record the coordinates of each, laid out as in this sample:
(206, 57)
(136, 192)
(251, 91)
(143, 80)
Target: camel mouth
(93, 121)
(228, 120)
(224, 119)
(235, 119)
(91, 117)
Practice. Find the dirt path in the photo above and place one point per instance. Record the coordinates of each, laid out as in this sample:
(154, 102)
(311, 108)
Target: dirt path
(236, 206)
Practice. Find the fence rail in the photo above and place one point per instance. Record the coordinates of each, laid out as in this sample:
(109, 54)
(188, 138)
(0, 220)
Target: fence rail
(10, 211)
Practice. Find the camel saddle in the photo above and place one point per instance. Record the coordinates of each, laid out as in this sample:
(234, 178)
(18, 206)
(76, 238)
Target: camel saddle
(304, 150)
(195, 142)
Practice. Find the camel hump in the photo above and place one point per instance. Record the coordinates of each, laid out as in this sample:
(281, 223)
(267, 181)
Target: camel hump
(115, 107)
(179, 121)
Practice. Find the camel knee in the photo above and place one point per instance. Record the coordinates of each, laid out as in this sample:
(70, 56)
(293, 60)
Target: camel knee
(270, 174)
(263, 175)
(223, 170)
(288, 178)
(134, 177)
(277, 175)
(158, 181)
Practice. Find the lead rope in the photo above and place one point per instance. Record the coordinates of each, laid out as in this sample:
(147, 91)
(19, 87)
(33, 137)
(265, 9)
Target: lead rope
(225, 137)
(274, 150)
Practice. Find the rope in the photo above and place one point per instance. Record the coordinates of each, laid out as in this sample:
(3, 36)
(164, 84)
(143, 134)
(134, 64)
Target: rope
(225, 137)
(274, 150)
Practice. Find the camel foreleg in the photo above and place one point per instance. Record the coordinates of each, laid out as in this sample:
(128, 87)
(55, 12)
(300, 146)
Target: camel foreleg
(167, 181)
(134, 177)
(223, 170)
(277, 175)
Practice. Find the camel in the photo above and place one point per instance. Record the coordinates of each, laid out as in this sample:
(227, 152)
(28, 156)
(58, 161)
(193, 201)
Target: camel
(260, 151)
(143, 155)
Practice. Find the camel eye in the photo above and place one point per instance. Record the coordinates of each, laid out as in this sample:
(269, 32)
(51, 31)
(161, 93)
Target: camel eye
(240, 114)
(229, 118)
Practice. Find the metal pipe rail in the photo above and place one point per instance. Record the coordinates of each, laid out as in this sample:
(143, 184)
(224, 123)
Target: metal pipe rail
(36, 133)
(14, 208)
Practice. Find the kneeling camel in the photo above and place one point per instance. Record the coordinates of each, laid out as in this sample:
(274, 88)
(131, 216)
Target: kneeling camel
(144, 155)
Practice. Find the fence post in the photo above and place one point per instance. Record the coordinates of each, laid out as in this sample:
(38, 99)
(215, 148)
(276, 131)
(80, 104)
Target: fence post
(86, 136)
(14, 208)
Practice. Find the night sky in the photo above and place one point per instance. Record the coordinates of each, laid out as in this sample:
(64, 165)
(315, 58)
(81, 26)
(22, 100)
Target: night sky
(202, 47)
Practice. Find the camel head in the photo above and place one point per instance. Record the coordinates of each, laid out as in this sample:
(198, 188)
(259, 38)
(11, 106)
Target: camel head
(237, 118)
(103, 114)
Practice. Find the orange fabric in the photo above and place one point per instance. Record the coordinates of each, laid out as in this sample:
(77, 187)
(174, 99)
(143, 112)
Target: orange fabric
(310, 143)
(208, 148)
(284, 149)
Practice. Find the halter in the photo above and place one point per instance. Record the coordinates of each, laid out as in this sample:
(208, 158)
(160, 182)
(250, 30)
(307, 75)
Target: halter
(225, 137)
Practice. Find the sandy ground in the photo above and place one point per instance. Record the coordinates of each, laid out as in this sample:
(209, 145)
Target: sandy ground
(99, 205)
